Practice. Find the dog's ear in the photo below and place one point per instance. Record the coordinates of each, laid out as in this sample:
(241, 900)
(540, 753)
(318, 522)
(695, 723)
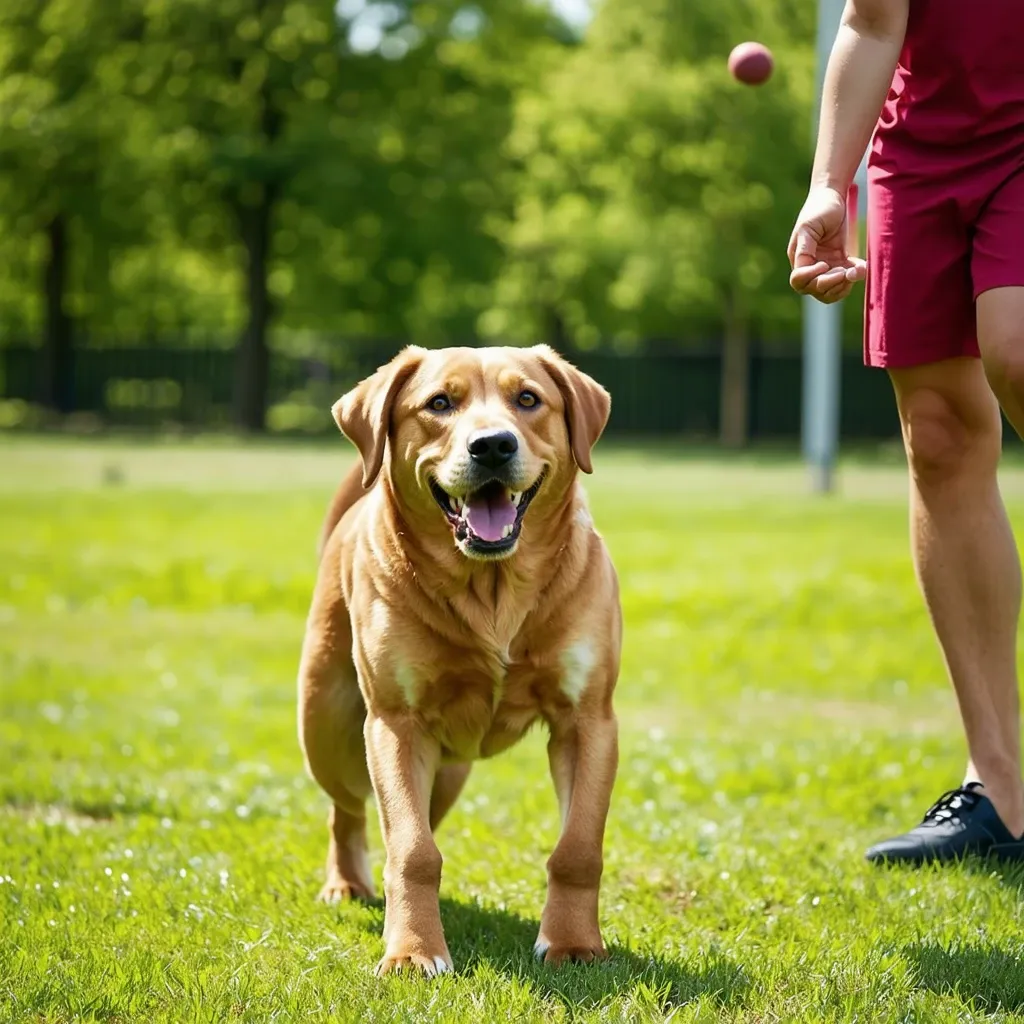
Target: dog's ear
(587, 404)
(364, 413)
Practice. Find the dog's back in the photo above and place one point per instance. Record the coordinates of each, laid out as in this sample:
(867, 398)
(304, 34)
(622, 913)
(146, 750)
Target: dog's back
(349, 491)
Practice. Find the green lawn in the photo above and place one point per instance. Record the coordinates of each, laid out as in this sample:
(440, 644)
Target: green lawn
(782, 705)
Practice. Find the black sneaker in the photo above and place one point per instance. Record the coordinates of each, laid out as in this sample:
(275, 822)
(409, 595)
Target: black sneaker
(961, 823)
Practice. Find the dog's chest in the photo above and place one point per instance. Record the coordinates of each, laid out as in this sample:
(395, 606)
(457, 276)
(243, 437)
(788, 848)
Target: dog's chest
(481, 712)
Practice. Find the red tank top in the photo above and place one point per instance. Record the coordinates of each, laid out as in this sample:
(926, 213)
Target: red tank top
(960, 75)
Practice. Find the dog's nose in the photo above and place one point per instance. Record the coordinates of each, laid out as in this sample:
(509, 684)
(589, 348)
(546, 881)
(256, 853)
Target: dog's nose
(493, 448)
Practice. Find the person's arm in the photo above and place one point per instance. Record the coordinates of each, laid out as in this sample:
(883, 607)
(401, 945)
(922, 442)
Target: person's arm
(857, 79)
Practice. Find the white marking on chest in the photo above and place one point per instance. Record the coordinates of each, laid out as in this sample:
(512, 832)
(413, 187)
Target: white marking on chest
(500, 679)
(578, 661)
(406, 680)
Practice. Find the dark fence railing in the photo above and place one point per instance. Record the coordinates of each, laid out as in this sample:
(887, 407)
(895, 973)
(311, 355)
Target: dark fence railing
(656, 394)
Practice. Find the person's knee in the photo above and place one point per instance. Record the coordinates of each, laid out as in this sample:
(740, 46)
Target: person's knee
(1004, 361)
(1000, 316)
(945, 441)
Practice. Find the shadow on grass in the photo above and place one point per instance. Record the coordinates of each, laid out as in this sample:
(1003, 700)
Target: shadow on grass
(1009, 875)
(502, 941)
(992, 979)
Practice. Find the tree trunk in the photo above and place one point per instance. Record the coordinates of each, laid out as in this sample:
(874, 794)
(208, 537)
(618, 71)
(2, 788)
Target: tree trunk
(557, 335)
(58, 343)
(733, 423)
(254, 218)
(253, 358)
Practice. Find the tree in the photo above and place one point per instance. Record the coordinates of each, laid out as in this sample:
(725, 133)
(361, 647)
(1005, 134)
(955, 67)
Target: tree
(394, 219)
(656, 194)
(62, 172)
(243, 89)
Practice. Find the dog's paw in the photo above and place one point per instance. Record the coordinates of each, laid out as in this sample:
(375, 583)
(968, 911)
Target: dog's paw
(338, 890)
(430, 966)
(558, 953)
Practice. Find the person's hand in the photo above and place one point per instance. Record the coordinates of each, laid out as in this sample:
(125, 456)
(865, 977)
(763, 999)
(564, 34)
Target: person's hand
(822, 267)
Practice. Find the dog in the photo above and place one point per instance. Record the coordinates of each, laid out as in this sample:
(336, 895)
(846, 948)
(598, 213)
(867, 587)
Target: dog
(463, 594)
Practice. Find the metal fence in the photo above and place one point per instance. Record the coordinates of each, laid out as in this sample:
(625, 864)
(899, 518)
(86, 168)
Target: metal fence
(660, 394)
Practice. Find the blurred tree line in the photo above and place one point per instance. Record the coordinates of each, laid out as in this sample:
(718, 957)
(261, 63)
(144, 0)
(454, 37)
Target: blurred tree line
(275, 171)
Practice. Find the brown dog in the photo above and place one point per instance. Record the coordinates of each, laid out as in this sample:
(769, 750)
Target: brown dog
(463, 594)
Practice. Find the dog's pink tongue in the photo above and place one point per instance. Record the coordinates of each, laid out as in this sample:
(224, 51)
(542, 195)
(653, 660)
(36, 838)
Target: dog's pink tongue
(488, 513)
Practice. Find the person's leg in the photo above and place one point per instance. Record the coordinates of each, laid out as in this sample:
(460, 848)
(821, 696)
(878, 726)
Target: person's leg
(997, 273)
(966, 560)
(1001, 339)
(934, 244)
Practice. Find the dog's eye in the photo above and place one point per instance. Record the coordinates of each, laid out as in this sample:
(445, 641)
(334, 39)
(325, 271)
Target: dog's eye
(439, 403)
(527, 399)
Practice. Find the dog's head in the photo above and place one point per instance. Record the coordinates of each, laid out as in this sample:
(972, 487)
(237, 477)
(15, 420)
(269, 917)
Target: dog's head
(476, 436)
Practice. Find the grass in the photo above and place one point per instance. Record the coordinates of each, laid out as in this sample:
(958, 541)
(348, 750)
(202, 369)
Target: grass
(782, 705)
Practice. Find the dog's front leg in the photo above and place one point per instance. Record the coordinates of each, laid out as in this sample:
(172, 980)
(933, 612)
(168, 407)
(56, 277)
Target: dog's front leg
(403, 762)
(584, 757)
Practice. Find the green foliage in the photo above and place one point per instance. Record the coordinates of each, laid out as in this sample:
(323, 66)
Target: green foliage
(782, 704)
(436, 170)
(416, 173)
(655, 191)
(67, 143)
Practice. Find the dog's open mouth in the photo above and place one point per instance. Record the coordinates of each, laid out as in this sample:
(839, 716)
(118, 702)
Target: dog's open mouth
(489, 519)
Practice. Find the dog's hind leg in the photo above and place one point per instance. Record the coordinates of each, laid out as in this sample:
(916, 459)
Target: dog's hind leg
(448, 785)
(331, 715)
(336, 758)
(348, 864)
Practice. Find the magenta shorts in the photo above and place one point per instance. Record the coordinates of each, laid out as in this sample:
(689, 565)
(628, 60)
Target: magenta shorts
(942, 227)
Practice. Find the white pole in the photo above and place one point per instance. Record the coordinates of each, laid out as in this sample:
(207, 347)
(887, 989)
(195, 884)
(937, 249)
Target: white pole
(822, 372)
(822, 325)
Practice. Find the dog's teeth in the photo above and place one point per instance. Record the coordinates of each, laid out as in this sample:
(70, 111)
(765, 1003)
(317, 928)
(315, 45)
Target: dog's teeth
(507, 532)
(457, 504)
(515, 497)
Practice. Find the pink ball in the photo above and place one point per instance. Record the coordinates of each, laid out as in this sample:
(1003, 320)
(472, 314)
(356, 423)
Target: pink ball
(751, 63)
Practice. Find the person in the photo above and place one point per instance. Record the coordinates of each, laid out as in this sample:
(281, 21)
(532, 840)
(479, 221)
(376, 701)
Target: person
(936, 88)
